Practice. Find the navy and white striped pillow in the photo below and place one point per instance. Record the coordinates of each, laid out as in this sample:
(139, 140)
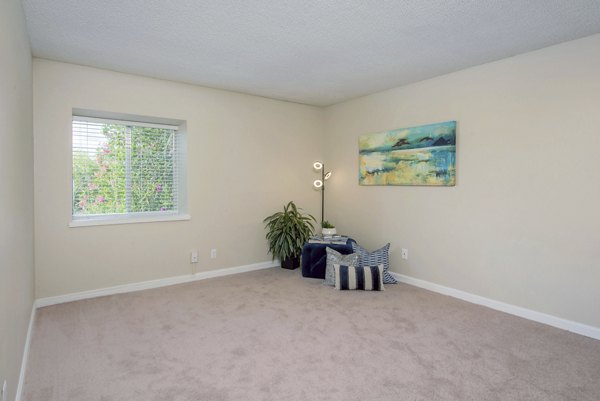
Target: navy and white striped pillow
(368, 278)
(382, 255)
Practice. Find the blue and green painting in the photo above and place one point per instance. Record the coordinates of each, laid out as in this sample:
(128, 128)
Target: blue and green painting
(424, 155)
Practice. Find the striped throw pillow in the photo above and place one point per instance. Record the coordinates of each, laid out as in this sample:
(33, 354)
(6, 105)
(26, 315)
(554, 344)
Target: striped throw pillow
(382, 255)
(368, 278)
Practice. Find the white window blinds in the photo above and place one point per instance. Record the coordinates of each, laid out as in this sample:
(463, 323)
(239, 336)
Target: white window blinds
(124, 168)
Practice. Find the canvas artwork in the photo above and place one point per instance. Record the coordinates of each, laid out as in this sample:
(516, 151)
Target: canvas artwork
(423, 155)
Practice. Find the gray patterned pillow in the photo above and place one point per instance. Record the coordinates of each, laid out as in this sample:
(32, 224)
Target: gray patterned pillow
(336, 258)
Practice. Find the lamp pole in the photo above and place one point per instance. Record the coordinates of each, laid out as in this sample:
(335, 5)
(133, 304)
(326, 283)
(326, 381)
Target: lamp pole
(320, 185)
(323, 195)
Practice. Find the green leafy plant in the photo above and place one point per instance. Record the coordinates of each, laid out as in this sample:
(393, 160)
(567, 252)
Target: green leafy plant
(327, 224)
(287, 231)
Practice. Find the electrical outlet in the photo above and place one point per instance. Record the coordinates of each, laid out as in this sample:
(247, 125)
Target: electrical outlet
(194, 257)
(404, 253)
(3, 395)
(213, 253)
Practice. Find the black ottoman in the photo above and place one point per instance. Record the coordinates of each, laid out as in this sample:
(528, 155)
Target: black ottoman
(314, 257)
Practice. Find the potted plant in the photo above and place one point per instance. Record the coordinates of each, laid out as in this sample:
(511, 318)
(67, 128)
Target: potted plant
(328, 228)
(287, 231)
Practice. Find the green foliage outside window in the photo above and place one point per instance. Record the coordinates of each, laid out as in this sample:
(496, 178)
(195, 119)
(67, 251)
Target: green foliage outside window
(131, 170)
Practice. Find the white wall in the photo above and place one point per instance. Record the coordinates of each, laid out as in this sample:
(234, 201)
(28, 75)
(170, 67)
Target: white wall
(247, 157)
(16, 191)
(522, 224)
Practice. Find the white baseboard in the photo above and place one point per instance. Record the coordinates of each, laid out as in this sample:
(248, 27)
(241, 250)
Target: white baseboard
(569, 325)
(146, 285)
(25, 353)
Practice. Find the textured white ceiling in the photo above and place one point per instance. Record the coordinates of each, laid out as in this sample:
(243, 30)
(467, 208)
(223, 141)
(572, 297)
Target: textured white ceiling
(317, 52)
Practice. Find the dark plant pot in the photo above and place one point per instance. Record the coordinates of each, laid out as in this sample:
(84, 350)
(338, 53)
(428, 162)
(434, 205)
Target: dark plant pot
(291, 263)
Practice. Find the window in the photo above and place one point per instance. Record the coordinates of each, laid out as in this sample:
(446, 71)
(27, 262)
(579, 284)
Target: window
(126, 171)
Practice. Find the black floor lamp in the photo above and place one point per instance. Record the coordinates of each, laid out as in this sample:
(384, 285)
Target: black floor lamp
(320, 185)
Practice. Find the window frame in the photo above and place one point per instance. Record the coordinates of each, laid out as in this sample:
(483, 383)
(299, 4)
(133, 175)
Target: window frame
(181, 214)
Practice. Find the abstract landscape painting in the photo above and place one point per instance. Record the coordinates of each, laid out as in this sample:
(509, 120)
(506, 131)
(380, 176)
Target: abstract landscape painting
(424, 155)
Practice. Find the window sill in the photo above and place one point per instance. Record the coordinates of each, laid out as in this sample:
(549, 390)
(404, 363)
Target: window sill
(104, 221)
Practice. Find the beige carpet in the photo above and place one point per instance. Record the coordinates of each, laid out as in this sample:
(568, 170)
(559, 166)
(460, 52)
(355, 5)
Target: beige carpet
(273, 335)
